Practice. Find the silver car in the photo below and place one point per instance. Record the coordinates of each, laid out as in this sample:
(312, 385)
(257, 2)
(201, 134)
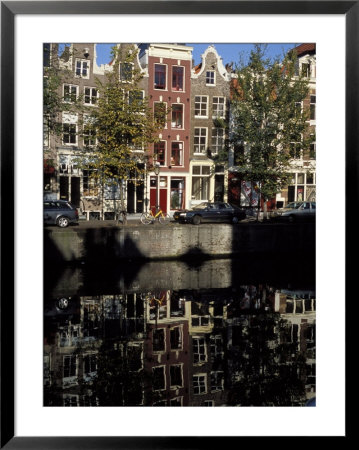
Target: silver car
(297, 211)
(60, 213)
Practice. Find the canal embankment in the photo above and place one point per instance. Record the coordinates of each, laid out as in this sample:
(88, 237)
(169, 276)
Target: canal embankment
(174, 241)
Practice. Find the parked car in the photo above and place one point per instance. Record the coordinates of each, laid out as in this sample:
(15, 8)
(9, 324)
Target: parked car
(60, 213)
(296, 211)
(210, 212)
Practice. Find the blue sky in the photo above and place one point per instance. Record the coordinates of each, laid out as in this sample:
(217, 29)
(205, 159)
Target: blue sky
(229, 52)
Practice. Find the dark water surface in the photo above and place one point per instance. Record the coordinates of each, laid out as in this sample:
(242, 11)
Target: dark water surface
(200, 333)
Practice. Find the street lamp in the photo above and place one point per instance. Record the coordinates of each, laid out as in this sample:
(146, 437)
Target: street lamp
(157, 173)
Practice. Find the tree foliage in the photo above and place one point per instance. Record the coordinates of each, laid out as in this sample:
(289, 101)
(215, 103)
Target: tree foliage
(123, 124)
(269, 123)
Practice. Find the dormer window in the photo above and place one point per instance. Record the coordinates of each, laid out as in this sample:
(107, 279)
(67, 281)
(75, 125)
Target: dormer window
(126, 70)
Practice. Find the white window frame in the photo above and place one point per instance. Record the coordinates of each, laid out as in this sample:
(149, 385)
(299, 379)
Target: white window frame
(198, 151)
(200, 343)
(223, 115)
(183, 117)
(87, 122)
(181, 154)
(201, 176)
(214, 77)
(87, 76)
(91, 96)
(202, 376)
(180, 328)
(183, 81)
(71, 379)
(216, 147)
(166, 77)
(201, 103)
(132, 68)
(70, 86)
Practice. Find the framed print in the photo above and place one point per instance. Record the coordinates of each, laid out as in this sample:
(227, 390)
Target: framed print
(183, 172)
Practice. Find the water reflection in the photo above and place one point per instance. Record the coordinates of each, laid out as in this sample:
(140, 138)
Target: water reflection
(172, 335)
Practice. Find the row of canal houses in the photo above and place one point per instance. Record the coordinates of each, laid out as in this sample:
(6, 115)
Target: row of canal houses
(182, 348)
(195, 132)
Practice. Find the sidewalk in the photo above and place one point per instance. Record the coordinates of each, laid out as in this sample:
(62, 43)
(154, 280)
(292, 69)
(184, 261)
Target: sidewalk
(132, 219)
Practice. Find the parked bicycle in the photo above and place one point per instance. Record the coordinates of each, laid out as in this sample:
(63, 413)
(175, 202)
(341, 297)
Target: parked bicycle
(162, 217)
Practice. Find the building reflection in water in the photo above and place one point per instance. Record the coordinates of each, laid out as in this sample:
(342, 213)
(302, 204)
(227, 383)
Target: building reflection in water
(238, 345)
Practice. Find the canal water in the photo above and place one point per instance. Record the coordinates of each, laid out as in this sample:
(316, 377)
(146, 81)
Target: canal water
(181, 333)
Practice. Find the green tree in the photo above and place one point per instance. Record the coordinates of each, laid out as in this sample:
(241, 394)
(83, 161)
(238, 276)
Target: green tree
(56, 72)
(269, 123)
(123, 125)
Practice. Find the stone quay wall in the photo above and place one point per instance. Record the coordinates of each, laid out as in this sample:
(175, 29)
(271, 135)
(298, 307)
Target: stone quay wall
(158, 242)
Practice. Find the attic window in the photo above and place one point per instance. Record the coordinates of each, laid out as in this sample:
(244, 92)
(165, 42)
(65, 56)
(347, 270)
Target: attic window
(210, 77)
(82, 68)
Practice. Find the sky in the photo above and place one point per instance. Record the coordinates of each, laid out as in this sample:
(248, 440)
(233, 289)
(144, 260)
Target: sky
(229, 52)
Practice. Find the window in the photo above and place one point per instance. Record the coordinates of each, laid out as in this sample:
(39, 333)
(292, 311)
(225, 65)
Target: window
(159, 150)
(160, 76)
(312, 107)
(89, 133)
(90, 364)
(70, 400)
(201, 321)
(70, 93)
(216, 347)
(82, 68)
(158, 343)
(200, 106)
(176, 376)
(306, 70)
(177, 78)
(312, 150)
(90, 188)
(199, 384)
(135, 97)
(177, 116)
(176, 401)
(218, 141)
(177, 154)
(158, 381)
(217, 381)
(159, 111)
(208, 403)
(126, 71)
(200, 182)
(69, 133)
(176, 338)
(200, 140)
(199, 350)
(218, 107)
(69, 366)
(210, 77)
(91, 96)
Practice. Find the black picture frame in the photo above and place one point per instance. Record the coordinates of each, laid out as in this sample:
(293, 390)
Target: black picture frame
(9, 10)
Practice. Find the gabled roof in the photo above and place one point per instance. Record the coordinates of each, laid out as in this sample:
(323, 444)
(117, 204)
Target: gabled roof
(304, 49)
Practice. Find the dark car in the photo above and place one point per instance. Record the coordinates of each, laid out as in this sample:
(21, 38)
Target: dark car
(297, 211)
(210, 212)
(60, 213)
